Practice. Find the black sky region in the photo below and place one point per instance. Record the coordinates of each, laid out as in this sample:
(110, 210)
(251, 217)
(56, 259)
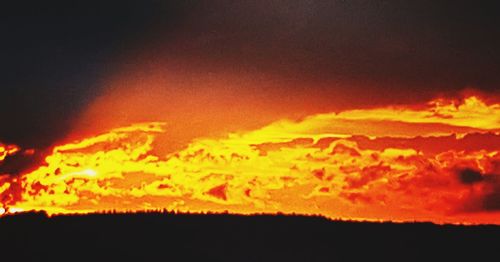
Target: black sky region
(54, 55)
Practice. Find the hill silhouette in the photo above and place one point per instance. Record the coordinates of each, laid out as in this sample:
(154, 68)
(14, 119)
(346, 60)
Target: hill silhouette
(188, 237)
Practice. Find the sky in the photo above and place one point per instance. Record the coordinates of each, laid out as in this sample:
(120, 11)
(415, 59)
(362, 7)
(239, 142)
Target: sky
(216, 66)
(353, 109)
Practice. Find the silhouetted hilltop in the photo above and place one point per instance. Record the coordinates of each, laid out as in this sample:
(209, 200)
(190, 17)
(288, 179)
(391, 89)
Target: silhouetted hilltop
(173, 237)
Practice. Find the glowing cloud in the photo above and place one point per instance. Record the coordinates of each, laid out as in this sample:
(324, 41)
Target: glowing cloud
(437, 163)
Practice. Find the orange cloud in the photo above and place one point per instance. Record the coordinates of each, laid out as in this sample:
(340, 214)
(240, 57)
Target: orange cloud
(436, 163)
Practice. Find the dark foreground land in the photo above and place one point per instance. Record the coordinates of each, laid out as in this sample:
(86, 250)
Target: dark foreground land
(169, 237)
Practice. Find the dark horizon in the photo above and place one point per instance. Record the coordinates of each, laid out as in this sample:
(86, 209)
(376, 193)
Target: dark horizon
(237, 238)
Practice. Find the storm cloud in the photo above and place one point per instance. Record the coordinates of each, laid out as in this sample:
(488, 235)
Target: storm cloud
(57, 57)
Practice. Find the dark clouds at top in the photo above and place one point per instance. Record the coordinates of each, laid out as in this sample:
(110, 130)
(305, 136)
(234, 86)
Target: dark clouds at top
(54, 54)
(419, 43)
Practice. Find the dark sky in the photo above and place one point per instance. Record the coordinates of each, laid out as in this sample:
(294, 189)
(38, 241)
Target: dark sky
(56, 55)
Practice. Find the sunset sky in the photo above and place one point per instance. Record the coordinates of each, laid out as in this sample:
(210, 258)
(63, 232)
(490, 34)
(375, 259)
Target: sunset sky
(212, 66)
(377, 110)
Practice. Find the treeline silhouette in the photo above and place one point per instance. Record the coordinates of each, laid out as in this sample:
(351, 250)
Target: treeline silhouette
(166, 236)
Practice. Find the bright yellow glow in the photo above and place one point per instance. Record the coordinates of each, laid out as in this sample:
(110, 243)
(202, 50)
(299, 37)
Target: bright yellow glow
(378, 164)
(6, 150)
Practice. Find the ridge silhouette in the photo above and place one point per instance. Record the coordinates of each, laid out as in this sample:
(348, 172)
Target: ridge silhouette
(162, 236)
